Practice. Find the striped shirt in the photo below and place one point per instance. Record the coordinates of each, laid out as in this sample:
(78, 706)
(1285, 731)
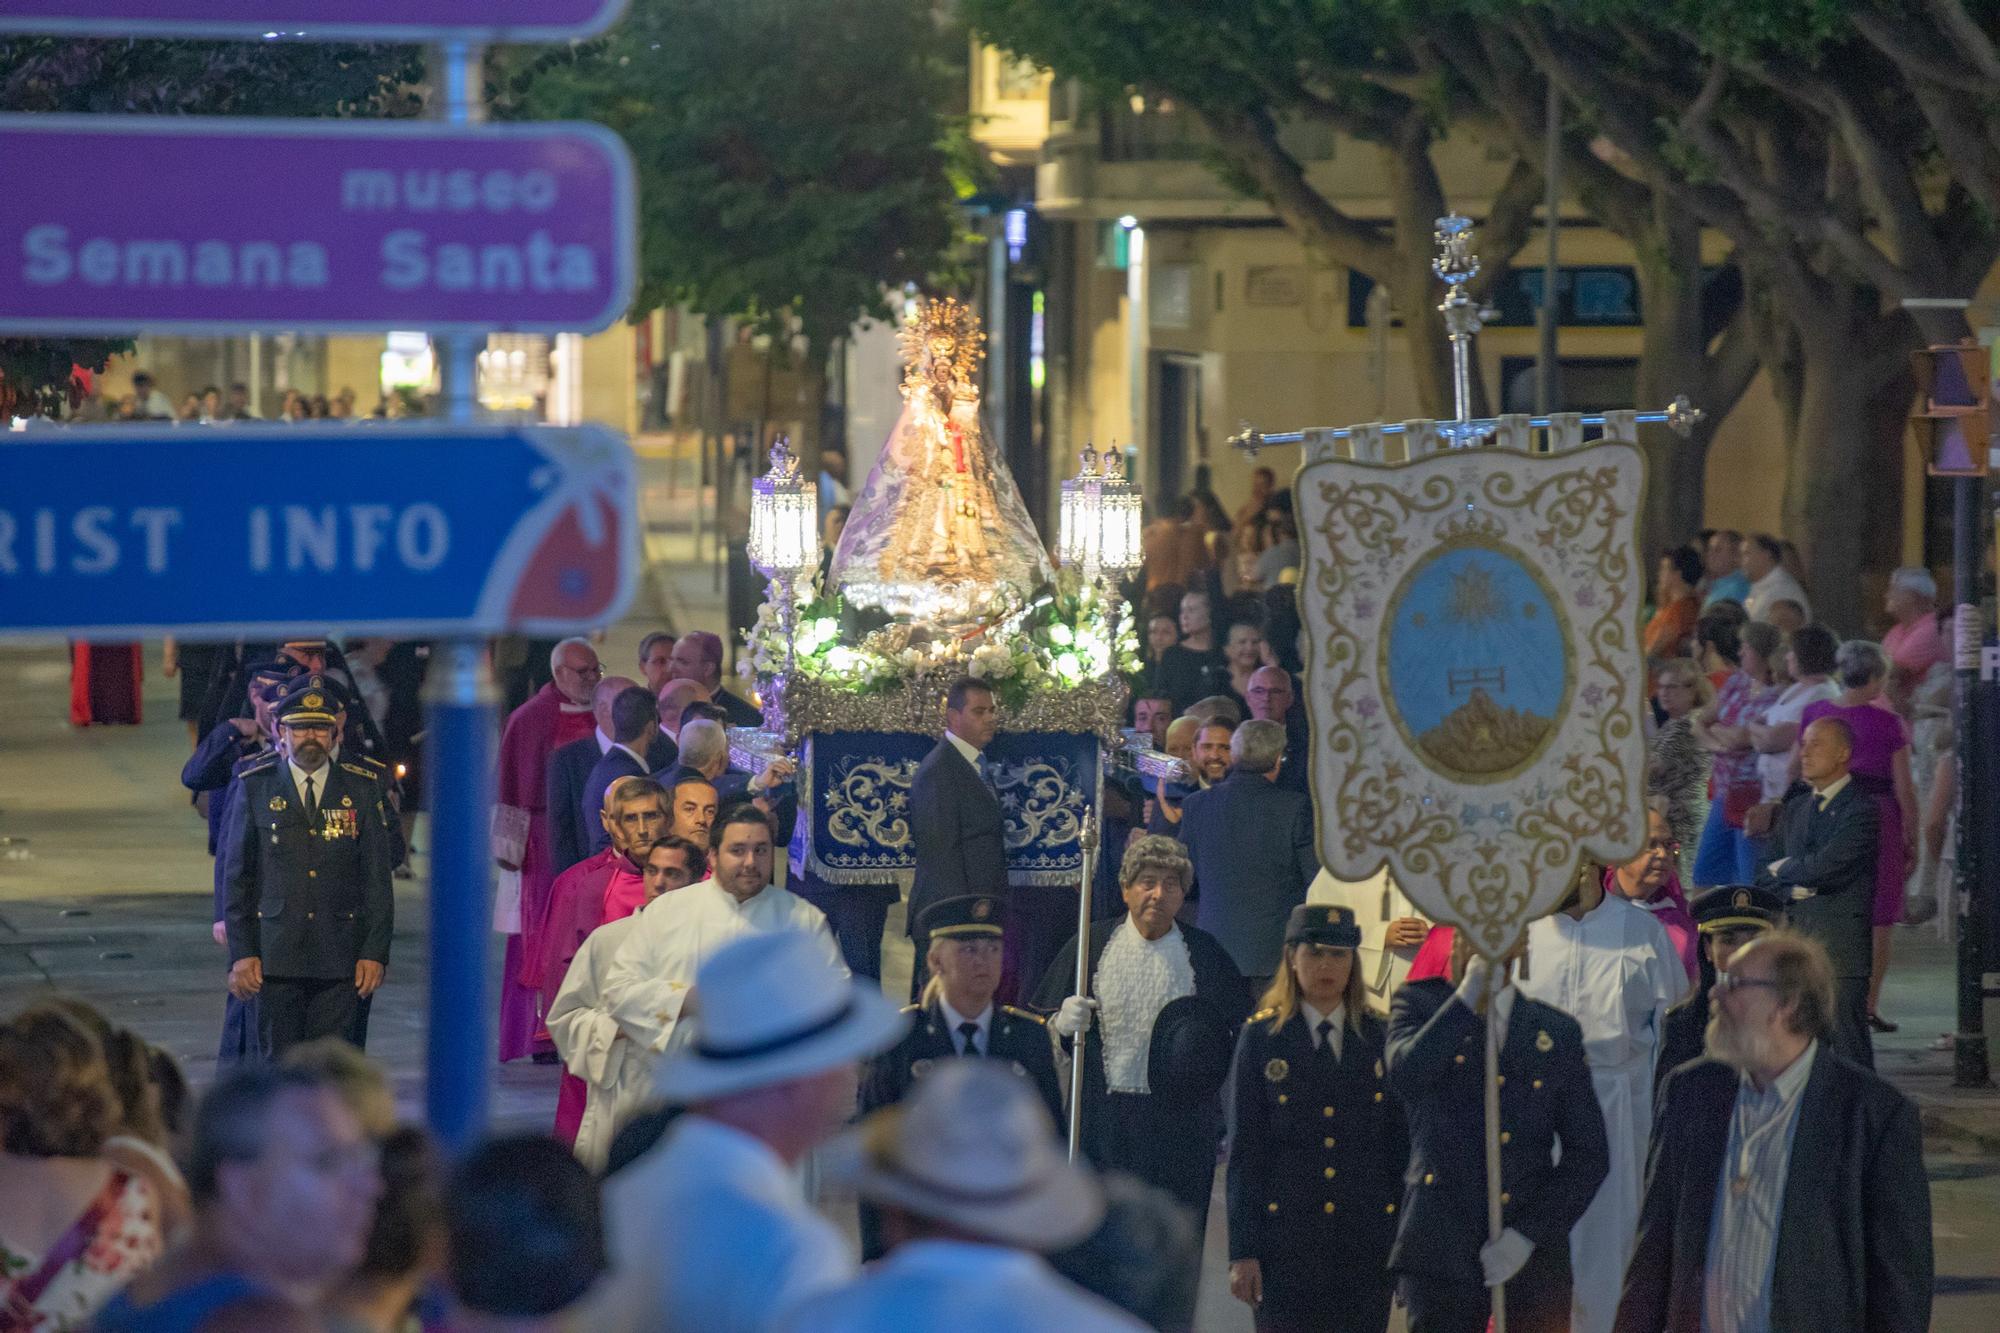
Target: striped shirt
(1743, 1230)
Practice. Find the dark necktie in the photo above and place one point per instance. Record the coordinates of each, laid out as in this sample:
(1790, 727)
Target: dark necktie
(312, 804)
(1325, 1031)
(970, 1031)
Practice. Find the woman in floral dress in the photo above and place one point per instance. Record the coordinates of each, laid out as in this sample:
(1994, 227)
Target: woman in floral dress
(74, 1227)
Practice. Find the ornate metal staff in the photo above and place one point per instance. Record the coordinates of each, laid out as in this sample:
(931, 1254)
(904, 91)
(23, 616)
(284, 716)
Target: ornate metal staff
(1087, 840)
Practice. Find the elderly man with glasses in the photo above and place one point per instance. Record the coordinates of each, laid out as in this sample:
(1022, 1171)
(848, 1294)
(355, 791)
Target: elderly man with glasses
(1788, 1187)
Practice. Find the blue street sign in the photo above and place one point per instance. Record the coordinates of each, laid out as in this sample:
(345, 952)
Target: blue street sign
(240, 531)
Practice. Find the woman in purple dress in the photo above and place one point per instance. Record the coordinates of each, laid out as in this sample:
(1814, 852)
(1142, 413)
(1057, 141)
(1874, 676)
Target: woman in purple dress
(1881, 767)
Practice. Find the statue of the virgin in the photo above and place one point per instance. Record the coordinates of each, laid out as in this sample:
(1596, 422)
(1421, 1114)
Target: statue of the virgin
(938, 534)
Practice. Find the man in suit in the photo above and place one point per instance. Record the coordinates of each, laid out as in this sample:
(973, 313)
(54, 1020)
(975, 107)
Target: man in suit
(1787, 1186)
(1251, 842)
(635, 718)
(1821, 861)
(310, 908)
(570, 823)
(698, 657)
(1164, 1005)
(1443, 1259)
(955, 820)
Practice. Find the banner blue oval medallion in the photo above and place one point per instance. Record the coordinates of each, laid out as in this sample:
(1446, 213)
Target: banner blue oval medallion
(1476, 661)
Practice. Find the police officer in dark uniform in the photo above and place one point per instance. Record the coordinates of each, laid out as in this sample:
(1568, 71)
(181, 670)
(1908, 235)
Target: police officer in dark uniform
(1316, 1143)
(1728, 916)
(1437, 1067)
(956, 1016)
(309, 902)
(268, 686)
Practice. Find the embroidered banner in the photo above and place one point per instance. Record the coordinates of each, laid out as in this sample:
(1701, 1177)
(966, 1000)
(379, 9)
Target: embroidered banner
(1474, 675)
(854, 804)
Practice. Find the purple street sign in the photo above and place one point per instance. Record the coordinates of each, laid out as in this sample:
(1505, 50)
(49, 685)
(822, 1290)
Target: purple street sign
(212, 226)
(361, 20)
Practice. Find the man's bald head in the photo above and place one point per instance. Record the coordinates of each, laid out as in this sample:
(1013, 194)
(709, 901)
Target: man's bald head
(600, 700)
(1269, 693)
(674, 700)
(1825, 751)
(697, 657)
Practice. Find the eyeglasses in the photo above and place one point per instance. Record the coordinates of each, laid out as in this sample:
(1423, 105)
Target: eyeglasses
(1725, 982)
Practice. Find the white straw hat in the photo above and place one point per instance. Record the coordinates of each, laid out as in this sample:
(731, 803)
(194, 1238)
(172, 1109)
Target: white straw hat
(973, 1147)
(772, 1008)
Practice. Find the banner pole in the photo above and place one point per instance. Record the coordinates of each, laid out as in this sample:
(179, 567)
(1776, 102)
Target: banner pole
(1087, 839)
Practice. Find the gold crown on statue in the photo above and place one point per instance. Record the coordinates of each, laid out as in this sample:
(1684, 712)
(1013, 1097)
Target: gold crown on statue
(942, 348)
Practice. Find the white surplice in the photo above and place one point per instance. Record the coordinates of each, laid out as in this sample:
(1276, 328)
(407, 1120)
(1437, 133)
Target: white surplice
(594, 1048)
(675, 934)
(1615, 972)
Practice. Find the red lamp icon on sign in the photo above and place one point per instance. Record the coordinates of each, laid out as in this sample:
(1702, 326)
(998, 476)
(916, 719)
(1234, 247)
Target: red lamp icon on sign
(1954, 423)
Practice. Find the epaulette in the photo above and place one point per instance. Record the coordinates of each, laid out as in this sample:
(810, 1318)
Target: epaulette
(1012, 1012)
(913, 1009)
(371, 774)
(259, 764)
(1261, 1015)
(370, 761)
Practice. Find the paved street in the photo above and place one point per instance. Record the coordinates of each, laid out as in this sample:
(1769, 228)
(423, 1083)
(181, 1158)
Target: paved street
(104, 893)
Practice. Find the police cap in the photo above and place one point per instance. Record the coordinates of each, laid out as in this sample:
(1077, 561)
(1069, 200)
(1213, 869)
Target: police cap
(1322, 923)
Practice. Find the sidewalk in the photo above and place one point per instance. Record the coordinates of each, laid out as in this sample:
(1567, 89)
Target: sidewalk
(1920, 996)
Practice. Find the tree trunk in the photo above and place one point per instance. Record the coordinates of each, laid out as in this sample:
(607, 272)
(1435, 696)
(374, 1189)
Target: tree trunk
(1673, 359)
(1843, 487)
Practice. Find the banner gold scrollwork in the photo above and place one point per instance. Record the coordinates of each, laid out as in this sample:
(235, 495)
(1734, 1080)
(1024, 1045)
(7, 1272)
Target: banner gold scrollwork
(1474, 677)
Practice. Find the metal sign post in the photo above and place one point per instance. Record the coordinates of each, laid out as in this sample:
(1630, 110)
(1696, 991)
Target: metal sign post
(317, 20)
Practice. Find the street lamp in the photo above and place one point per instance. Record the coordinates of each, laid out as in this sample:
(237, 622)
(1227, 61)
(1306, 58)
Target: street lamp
(784, 534)
(1098, 530)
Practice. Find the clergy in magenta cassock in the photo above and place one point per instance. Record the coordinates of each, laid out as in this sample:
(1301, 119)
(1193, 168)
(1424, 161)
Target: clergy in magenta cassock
(652, 972)
(557, 714)
(1609, 964)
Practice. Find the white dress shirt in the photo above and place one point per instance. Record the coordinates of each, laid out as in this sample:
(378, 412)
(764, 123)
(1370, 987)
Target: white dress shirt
(1743, 1230)
(604, 742)
(954, 1021)
(1136, 978)
(965, 748)
(1314, 1018)
(318, 777)
(709, 1233)
(637, 758)
(927, 1285)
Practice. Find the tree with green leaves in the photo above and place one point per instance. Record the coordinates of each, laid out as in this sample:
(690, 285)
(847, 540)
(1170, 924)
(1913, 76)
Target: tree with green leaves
(1848, 150)
(50, 74)
(1251, 70)
(795, 160)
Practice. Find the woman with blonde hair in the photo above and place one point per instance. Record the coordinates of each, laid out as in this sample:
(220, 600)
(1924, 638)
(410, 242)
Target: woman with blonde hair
(1317, 1145)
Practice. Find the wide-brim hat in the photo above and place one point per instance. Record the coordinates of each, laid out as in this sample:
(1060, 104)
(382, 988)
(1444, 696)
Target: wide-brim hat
(1187, 1060)
(774, 1008)
(972, 1147)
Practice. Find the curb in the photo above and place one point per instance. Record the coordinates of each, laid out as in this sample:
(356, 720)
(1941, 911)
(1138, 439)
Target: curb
(1978, 1131)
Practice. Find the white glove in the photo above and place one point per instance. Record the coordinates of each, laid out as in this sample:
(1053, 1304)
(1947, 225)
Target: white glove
(1503, 1258)
(1074, 1016)
(1472, 986)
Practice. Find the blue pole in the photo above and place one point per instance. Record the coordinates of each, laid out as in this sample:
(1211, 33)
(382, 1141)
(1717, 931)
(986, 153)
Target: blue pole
(458, 780)
(459, 766)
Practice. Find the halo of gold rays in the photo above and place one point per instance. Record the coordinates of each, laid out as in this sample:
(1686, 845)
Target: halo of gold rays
(942, 346)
